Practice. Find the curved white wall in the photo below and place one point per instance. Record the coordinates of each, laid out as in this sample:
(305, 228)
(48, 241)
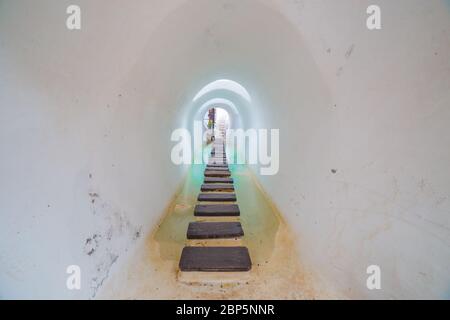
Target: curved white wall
(86, 118)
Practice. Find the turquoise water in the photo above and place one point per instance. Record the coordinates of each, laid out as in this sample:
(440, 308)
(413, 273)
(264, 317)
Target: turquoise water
(259, 218)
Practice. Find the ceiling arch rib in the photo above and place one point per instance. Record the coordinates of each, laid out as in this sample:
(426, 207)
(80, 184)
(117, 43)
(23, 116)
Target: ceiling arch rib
(226, 84)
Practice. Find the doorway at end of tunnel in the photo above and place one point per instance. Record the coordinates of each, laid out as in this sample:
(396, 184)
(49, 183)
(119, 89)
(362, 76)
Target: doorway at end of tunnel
(216, 121)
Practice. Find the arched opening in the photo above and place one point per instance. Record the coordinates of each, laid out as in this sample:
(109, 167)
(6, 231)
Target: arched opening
(226, 84)
(216, 121)
(228, 95)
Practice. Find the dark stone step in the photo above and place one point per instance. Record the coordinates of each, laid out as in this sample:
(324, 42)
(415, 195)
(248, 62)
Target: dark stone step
(215, 162)
(217, 196)
(212, 173)
(218, 165)
(216, 210)
(217, 168)
(214, 230)
(218, 180)
(215, 259)
(217, 187)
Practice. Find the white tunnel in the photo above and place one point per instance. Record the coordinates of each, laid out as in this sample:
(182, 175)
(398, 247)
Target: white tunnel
(87, 115)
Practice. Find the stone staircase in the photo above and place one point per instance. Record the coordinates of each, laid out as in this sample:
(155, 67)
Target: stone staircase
(217, 200)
